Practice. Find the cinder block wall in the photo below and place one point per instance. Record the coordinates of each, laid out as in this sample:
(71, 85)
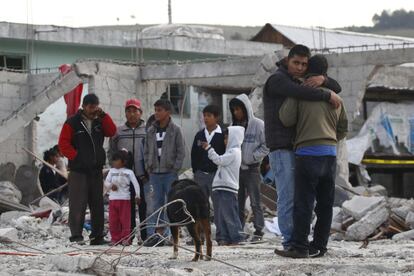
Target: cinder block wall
(13, 93)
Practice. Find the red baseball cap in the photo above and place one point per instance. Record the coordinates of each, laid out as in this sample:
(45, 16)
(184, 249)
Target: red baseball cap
(133, 102)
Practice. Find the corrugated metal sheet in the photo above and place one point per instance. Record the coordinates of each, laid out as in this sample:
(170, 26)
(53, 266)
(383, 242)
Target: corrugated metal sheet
(393, 77)
(321, 38)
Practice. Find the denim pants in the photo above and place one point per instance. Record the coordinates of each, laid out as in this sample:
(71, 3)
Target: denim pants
(249, 184)
(226, 217)
(156, 191)
(314, 179)
(282, 163)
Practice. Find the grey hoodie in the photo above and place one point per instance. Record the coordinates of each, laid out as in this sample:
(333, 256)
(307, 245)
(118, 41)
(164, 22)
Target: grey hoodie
(254, 145)
(173, 150)
(227, 175)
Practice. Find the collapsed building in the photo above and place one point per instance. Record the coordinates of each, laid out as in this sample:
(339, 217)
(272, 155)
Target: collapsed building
(192, 66)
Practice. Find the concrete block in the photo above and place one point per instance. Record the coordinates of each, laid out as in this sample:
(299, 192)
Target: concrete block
(378, 190)
(77, 264)
(8, 234)
(409, 235)
(10, 192)
(7, 217)
(86, 68)
(361, 229)
(402, 211)
(337, 218)
(409, 219)
(358, 206)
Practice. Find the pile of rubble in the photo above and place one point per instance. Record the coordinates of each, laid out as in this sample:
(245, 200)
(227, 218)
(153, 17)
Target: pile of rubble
(366, 218)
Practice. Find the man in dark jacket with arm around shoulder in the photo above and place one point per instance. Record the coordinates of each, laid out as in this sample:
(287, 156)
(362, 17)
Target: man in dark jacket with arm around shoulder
(81, 141)
(279, 139)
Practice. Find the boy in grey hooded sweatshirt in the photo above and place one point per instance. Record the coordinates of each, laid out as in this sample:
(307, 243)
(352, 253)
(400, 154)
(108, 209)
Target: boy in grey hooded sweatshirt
(253, 151)
(226, 186)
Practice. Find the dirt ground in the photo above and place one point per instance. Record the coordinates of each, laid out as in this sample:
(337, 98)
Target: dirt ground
(59, 257)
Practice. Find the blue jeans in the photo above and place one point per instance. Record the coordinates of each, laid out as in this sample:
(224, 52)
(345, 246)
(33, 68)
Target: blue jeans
(282, 163)
(226, 217)
(156, 191)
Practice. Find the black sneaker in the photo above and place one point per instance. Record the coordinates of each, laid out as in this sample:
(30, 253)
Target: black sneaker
(293, 253)
(257, 236)
(99, 241)
(256, 239)
(77, 239)
(154, 241)
(316, 253)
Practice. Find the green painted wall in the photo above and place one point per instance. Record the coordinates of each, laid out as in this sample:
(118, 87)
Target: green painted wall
(46, 54)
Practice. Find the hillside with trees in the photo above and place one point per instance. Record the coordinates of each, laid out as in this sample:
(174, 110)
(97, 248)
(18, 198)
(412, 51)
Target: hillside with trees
(398, 23)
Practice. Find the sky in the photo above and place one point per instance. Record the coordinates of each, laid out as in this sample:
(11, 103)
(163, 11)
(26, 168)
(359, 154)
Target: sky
(77, 13)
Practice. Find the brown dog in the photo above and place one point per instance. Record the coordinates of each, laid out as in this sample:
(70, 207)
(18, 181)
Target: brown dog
(198, 206)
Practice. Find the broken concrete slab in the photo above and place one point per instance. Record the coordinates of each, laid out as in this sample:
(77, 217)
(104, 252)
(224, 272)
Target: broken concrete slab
(409, 220)
(337, 217)
(408, 235)
(402, 211)
(361, 229)
(7, 205)
(6, 218)
(359, 206)
(82, 264)
(7, 172)
(377, 190)
(8, 234)
(10, 192)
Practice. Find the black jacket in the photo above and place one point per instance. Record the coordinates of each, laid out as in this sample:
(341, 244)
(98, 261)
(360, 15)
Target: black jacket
(199, 156)
(89, 145)
(50, 180)
(278, 87)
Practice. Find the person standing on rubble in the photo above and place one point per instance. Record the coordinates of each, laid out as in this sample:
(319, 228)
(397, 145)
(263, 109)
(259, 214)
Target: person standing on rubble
(164, 156)
(81, 141)
(253, 151)
(131, 136)
(279, 139)
(319, 127)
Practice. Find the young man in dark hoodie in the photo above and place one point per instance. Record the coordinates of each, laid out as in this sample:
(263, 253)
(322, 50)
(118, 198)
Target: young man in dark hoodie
(279, 139)
(319, 127)
(204, 169)
(253, 151)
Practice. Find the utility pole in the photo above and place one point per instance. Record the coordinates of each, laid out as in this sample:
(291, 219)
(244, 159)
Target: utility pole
(169, 12)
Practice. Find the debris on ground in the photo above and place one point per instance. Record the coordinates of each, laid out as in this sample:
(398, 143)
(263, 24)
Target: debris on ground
(367, 218)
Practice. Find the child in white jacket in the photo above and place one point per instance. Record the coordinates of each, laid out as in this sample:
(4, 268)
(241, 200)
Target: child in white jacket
(226, 186)
(117, 181)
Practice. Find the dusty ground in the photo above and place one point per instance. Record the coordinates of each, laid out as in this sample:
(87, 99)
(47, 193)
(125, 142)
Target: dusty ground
(344, 258)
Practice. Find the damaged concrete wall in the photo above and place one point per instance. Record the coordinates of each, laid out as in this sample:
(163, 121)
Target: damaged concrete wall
(13, 93)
